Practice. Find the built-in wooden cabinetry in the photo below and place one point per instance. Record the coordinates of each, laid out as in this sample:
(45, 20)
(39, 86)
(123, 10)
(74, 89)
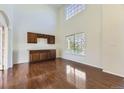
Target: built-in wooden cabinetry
(32, 37)
(42, 55)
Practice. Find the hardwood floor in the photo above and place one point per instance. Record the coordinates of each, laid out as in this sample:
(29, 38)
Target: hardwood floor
(58, 74)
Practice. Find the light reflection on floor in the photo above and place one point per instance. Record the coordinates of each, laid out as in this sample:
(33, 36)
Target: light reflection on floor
(76, 77)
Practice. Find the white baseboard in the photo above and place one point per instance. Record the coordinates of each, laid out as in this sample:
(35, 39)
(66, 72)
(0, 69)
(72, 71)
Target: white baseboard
(82, 62)
(21, 61)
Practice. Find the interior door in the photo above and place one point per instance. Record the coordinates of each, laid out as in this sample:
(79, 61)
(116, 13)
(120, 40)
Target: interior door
(1, 49)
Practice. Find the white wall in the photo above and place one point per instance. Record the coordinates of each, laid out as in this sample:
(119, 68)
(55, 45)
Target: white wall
(113, 39)
(104, 28)
(32, 18)
(88, 21)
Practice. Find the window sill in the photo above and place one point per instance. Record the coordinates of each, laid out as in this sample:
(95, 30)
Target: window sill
(75, 54)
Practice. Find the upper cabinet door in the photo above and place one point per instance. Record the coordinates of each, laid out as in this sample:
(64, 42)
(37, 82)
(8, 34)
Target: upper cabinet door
(51, 40)
(32, 37)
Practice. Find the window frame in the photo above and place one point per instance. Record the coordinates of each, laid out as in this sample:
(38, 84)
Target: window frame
(83, 47)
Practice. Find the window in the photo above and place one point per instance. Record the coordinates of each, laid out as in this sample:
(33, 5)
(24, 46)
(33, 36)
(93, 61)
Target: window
(75, 44)
(74, 9)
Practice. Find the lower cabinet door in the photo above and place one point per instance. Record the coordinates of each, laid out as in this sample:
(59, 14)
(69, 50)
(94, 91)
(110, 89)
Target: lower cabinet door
(43, 56)
(35, 57)
(53, 54)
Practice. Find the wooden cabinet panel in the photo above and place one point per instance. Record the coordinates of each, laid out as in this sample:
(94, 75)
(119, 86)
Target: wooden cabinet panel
(52, 54)
(40, 35)
(42, 55)
(34, 57)
(32, 40)
(51, 40)
(32, 37)
(49, 55)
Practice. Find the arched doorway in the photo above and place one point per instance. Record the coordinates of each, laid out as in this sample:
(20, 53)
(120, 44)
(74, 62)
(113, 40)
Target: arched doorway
(4, 25)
